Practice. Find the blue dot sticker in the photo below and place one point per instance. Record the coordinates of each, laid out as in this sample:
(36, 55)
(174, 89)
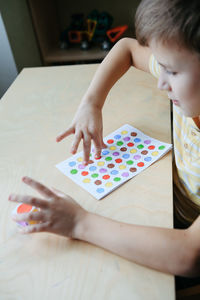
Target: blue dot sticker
(126, 156)
(147, 158)
(137, 140)
(72, 163)
(92, 168)
(114, 172)
(100, 190)
(117, 136)
(105, 152)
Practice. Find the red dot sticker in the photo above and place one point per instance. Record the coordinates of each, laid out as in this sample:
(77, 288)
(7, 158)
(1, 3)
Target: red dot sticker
(118, 160)
(84, 173)
(110, 141)
(24, 208)
(140, 164)
(130, 144)
(97, 157)
(106, 177)
(151, 147)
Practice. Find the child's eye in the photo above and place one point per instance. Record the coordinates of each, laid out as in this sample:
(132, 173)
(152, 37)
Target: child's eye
(170, 72)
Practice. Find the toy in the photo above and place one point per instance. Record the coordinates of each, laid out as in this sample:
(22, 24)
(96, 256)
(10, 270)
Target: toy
(24, 208)
(95, 29)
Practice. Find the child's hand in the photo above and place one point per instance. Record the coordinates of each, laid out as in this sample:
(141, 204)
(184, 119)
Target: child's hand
(58, 214)
(86, 125)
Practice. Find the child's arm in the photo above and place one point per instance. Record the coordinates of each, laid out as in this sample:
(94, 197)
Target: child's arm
(87, 123)
(167, 250)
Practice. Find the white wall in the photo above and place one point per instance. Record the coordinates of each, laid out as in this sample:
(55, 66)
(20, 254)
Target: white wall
(8, 70)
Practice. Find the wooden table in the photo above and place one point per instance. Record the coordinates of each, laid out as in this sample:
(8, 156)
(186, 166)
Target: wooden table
(39, 105)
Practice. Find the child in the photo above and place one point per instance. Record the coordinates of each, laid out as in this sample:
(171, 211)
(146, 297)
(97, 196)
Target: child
(170, 30)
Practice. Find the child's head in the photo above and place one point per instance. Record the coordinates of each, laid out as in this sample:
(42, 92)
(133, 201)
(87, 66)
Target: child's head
(171, 28)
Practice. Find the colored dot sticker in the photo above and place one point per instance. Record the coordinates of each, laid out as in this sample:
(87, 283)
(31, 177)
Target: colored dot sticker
(117, 179)
(161, 147)
(130, 144)
(126, 155)
(118, 160)
(129, 162)
(151, 147)
(72, 163)
(147, 142)
(140, 164)
(84, 173)
(103, 170)
(106, 177)
(124, 132)
(98, 157)
(105, 152)
(90, 162)
(144, 152)
(74, 171)
(120, 143)
(125, 174)
(155, 153)
(122, 167)
(114, 172)
(110, 166)
(79, 159)
(148, 158)
(112, 148)
(133, 134)
(126, 139)
(92, 168)
(81, 166)
(98, 182)
(136, 157)
(123, 149)
(24, 208)
(110, 141)
(86, 180)
(133, 170)
(140, 146)
(100, 163)
(108, 158)
(117, 136)
(133, 151)
(108, 184)
(137, 140)
(115, 153)
(100, 190)
(95, 175)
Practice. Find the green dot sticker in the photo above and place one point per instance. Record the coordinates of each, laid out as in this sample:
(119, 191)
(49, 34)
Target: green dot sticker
(140, 146)
(117, 179)
(95, 175)
(74, 171)
(129, 162)
(119, 143)
(161, 147)
(108, 158)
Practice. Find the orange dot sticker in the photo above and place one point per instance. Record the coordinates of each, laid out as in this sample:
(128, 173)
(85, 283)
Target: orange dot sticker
(118, 160)
(110, 141)
(84, 173)
(24, 208)
(106, 177)
(140, 164)
(151, 147)
(130, 144)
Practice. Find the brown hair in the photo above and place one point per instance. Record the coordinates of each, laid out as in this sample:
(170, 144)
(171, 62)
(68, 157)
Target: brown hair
(169, 20)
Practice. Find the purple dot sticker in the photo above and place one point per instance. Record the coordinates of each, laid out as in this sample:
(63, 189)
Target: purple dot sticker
(117, 136)
(100, 190)
(81, 166)
(148, 158)
(105, 152)
(115, 153)
(72, 163)
(136, 157)
(126, 156)
(126, 139)
(147, 142)
(114, 172)
(103, 170)
(125, 174)
(137, 140)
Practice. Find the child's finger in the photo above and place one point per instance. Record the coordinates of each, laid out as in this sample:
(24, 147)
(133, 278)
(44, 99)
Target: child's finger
(32, 216)
(39, 187)
(77, 139)
(86, 147)
(66, 133)
(33, 201)
(35, 228)
(98, 147)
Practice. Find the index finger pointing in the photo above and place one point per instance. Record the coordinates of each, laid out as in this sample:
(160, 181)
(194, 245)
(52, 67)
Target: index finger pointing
(61, 136)
(39, 187)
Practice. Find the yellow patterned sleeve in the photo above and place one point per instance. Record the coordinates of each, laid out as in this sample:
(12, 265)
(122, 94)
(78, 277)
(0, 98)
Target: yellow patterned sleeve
(154, 66)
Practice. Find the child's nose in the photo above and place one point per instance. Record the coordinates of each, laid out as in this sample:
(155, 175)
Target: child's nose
(163, 84)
